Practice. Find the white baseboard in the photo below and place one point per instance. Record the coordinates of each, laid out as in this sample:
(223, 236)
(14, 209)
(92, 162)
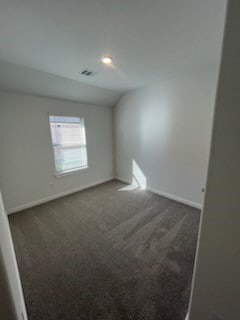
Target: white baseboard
(175, 198)
(56, 196)
(166, 195)
(65, 193)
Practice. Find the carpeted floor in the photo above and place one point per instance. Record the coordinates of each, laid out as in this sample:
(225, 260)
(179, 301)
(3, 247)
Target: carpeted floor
(106, 253)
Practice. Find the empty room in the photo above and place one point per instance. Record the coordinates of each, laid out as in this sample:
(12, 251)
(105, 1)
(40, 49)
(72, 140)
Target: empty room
(107, 110)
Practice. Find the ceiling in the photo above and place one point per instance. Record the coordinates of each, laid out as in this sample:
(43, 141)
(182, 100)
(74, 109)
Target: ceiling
(30, 81)
(149, 40)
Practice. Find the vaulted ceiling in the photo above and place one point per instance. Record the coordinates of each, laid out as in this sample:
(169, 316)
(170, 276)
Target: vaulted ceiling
(149, 40)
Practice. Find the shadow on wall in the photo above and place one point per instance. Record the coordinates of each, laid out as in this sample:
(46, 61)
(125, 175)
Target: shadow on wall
(139, 180)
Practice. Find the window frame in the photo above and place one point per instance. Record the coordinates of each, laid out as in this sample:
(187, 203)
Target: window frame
(74, 170)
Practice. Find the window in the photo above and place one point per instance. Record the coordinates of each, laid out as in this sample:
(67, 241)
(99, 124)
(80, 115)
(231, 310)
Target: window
(69, 143)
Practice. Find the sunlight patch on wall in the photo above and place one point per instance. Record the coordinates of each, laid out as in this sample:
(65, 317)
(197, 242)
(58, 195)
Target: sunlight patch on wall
(138, 176)
(139, 180)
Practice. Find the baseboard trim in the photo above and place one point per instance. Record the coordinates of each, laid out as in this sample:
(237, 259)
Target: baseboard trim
(166, 195)
(175, 198)
(56, 196)
(65, 193)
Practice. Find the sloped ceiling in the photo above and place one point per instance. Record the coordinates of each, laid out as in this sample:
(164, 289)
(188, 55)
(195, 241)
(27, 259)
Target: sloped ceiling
(27, 80)
(149, 40)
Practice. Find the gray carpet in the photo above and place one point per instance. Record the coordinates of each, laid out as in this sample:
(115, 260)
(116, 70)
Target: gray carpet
(106, 254)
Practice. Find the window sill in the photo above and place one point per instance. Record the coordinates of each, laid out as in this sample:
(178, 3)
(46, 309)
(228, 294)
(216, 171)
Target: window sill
(68, 173)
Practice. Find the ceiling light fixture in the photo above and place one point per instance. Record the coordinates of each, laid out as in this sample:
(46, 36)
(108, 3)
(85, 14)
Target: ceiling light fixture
(107, 60)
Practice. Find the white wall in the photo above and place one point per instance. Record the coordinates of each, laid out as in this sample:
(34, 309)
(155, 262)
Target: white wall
(11, 294)
(27, 160)
(166, 130)
(217, 277)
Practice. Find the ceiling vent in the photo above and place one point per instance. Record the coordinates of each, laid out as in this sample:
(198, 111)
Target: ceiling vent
(88, 73)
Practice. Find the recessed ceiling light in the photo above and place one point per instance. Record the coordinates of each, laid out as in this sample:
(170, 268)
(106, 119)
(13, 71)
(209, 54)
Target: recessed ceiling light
(107, 60)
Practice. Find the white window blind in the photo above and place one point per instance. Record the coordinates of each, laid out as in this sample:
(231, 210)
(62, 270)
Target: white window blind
(69, 143)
